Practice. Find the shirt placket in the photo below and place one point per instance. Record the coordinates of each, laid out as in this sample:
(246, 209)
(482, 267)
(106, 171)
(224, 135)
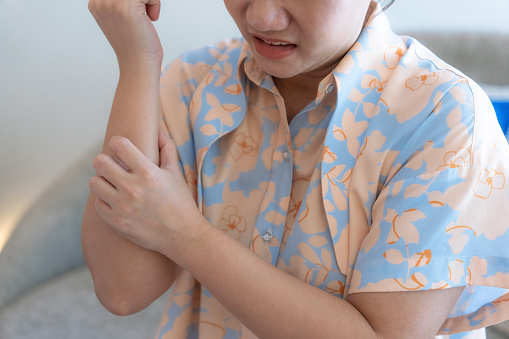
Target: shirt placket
(271, 232)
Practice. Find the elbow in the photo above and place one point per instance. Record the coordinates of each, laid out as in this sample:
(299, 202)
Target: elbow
(117, 304)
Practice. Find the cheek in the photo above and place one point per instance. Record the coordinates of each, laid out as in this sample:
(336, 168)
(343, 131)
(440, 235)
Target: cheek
(339, 31)
(234, 7)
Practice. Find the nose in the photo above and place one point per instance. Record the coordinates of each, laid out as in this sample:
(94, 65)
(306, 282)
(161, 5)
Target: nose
(267, 15)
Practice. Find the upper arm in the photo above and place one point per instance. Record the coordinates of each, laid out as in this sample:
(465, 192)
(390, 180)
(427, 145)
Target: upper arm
(439, 222)
(416, 314)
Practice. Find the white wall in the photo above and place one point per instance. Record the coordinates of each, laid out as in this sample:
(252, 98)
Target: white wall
(58, 75)
(57, 79)
(452, 15)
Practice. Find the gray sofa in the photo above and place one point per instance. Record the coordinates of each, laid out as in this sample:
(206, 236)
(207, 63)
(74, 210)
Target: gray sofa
(46, 290)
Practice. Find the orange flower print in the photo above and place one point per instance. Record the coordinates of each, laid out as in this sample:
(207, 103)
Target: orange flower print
(416, 282)
(294, 207)
(234, 89)
(329, 156)
(393, 55)
(487, 181)
(221, 111)
(336, 287)
(212, 330)
(456, 159)
(403, 226)
(420, 80)
(241, 145)
(232, 223)
(320, 268)
(377, 85)
(422, 259)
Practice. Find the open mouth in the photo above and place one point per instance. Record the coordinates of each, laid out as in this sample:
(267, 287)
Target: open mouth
(276, 43)
(275, 50)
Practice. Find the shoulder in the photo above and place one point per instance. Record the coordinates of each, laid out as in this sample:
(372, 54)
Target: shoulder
(426, 111)
(194, 65)
(421, 77)
(448, 101)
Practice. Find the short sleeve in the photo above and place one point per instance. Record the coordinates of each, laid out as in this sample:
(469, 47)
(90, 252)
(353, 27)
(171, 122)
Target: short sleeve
(182, 96)
(178, 82)
(442, 219)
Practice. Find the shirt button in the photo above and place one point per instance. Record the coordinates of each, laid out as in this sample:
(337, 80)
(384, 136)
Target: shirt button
(267, 236)
(286, 155)
(330, 88)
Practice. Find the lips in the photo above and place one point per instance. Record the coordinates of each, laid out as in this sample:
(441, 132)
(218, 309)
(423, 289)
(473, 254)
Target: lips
(273, 49)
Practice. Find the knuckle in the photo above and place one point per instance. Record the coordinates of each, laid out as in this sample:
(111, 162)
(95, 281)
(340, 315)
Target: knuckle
(117, 141)
(122, 224)
(92, 183)
(148, 175)
(97, 204)
(98, 160)
(132, 192)
(120, 215)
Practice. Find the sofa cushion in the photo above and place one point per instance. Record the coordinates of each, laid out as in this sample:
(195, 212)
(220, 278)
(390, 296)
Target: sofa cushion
(66, 307)
(481, 56)
(47, 240)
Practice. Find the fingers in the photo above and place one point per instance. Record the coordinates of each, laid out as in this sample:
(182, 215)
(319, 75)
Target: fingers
(163, 138)
(129, 154)
(152, 2)
(102, 189)
(109, 169)
(153, 10)
(167, 151)
(104, 210)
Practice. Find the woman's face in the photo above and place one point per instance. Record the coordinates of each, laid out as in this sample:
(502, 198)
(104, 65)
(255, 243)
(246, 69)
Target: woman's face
(294, 37)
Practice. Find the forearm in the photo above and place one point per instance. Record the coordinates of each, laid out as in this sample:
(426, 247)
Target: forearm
(126, 276)
(135, 110)
(268, 301)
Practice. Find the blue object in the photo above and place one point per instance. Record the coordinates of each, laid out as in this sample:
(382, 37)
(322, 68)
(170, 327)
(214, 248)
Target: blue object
(502, 110)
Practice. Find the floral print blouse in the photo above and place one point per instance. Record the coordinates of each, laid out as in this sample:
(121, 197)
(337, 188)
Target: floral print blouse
(392, 179)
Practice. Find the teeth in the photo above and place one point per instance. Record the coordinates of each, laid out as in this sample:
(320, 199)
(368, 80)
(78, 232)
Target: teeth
(276, 43)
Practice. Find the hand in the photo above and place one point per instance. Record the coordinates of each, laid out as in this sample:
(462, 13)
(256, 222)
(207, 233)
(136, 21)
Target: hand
(127, 26)
(148, 204)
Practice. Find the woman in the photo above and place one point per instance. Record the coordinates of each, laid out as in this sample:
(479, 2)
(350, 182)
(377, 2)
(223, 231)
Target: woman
(318, 170)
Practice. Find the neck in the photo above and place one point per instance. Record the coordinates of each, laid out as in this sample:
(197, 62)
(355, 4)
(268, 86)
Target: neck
(297, 93)
(300, 90)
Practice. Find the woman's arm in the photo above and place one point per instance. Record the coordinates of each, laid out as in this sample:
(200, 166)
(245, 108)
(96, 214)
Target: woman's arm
(268, 301)
(273, 304)
(127, 277)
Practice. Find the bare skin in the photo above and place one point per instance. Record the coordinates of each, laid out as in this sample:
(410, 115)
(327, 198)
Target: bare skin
(119, 267)
(141, 224)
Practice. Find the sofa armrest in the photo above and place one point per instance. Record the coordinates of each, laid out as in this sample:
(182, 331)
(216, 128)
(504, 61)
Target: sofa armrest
(47, 240)
(467, 50)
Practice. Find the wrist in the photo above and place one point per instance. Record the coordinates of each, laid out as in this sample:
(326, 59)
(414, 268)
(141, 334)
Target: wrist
(136, 68)
(186, 243)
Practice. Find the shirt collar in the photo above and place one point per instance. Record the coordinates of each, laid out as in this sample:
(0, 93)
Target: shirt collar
(373, 47)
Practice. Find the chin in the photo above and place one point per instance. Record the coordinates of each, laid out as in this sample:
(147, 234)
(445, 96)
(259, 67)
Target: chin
(282, 75)
(278, 71)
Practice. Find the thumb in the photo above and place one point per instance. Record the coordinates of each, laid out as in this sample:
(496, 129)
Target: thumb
(153, 9)
(168, 155)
